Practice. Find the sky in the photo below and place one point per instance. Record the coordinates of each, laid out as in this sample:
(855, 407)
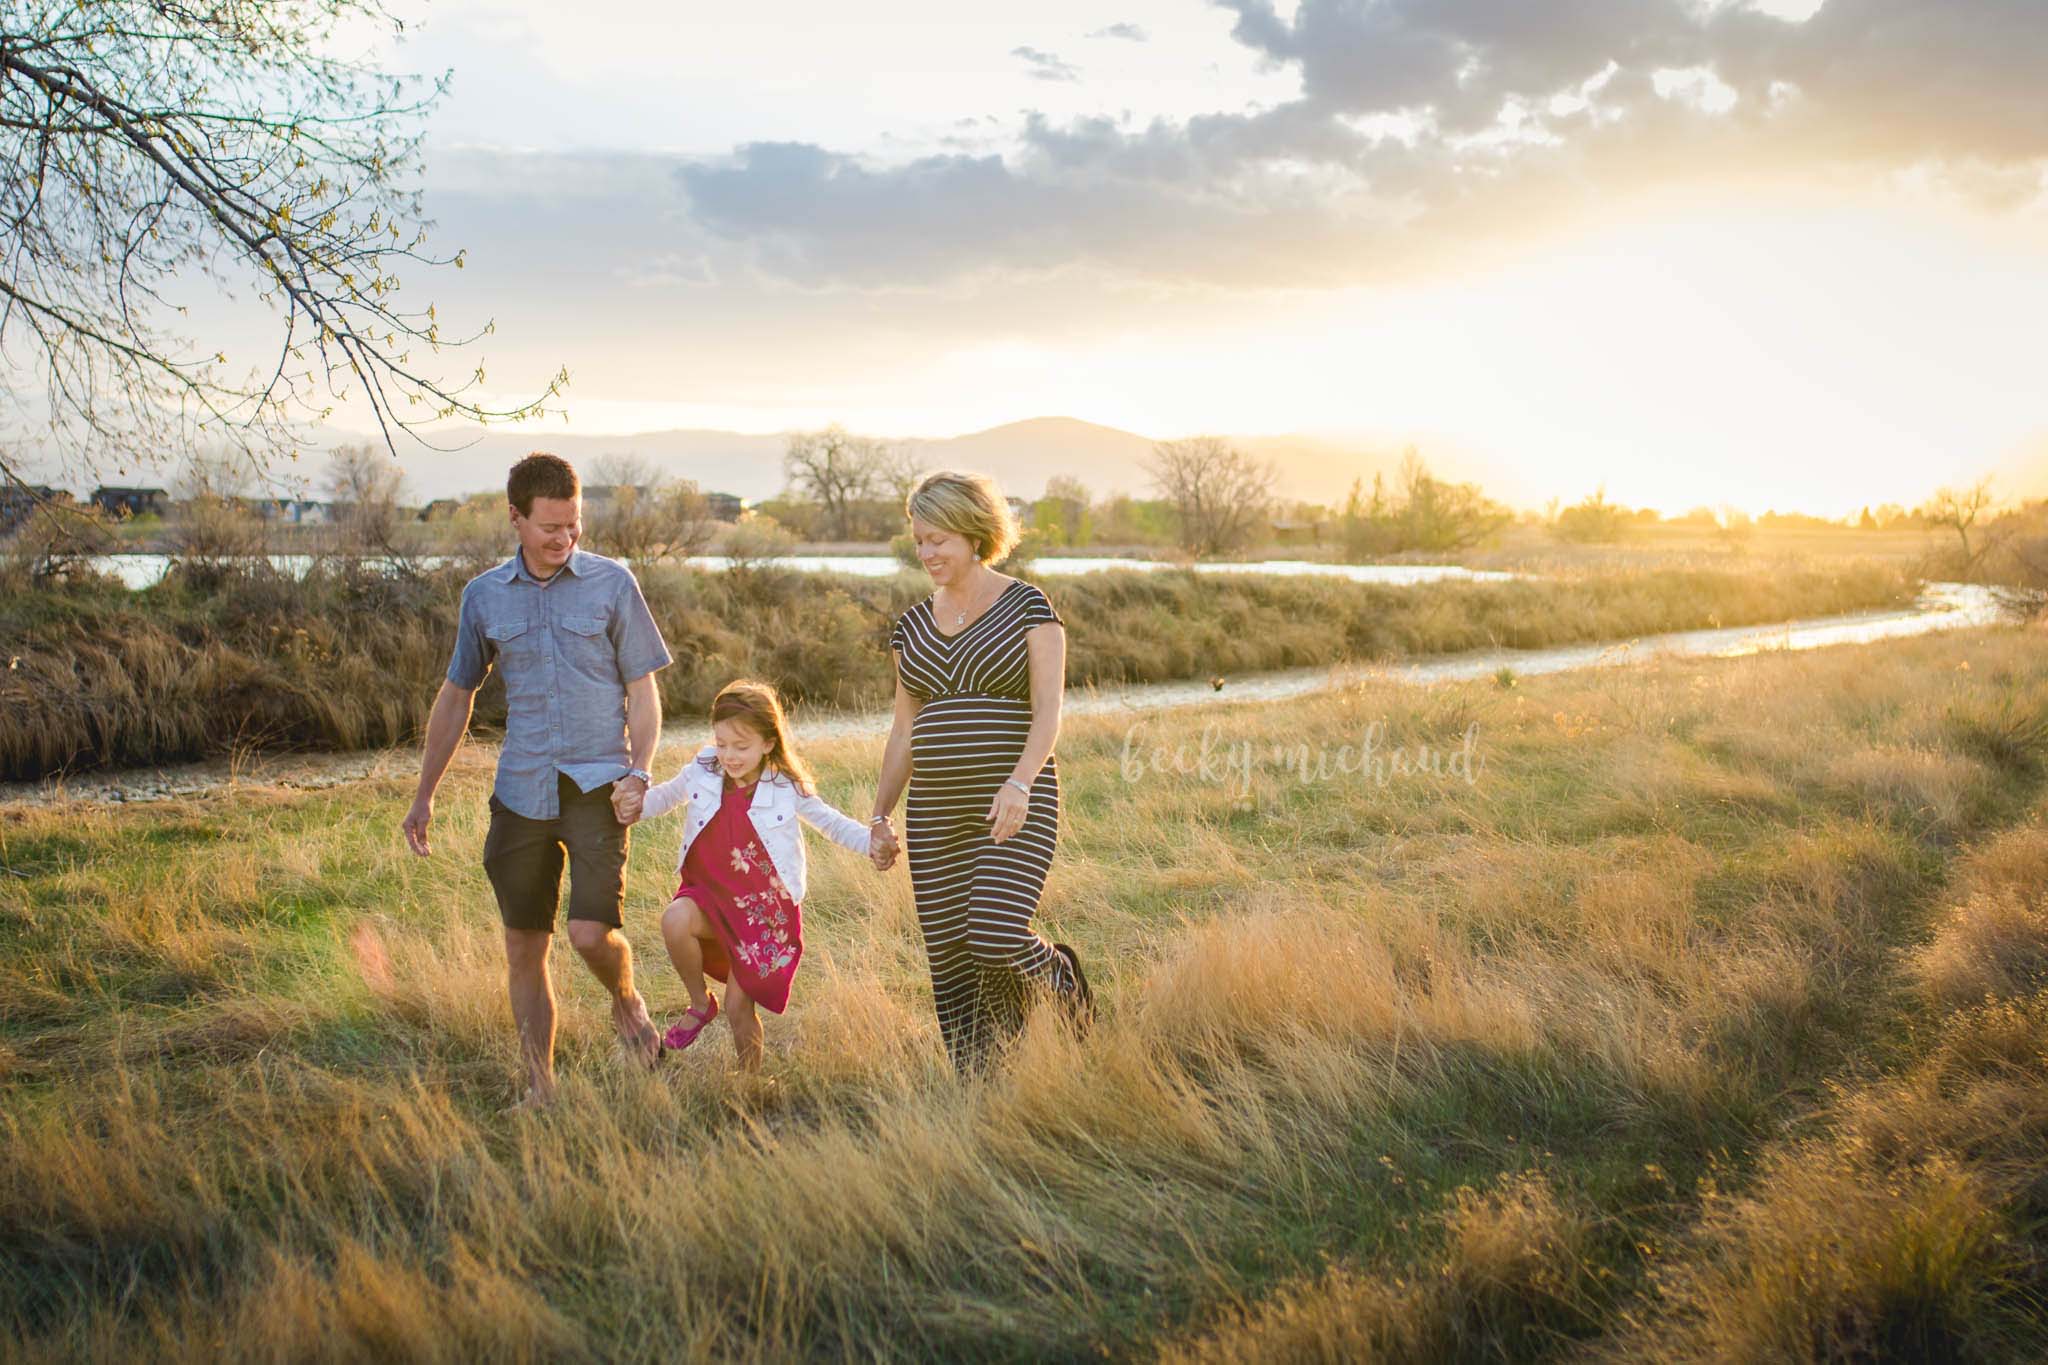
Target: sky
(1783, 254)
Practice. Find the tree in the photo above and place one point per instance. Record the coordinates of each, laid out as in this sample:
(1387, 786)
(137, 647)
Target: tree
(1427, 513)
(212, 524)
(1736, 526)
(755, 542)
(648, 517)
(1219, 494)
(839, 472)
(365, 486)
(1364, 522)
(899, 468)
(1594, 520)
(53, 538)
(151, 149)
(1121, 519)
(1063, 515)
(1958, 510)
(1444, 516)
(2023, 535)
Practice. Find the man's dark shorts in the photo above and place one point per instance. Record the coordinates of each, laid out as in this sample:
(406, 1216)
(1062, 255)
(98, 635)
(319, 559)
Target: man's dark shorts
(524, 859)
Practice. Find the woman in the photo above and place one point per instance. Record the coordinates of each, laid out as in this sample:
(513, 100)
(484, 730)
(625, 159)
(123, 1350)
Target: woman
(980, 668)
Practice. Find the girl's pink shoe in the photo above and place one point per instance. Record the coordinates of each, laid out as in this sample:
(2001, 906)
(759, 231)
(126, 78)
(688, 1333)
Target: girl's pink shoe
(684, 1031)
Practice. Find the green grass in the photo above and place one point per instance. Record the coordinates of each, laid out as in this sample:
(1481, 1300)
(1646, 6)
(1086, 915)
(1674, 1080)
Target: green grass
(1707, 1022)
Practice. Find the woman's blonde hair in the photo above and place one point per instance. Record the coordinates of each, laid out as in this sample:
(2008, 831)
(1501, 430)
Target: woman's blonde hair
(969, 505)
(758, 705)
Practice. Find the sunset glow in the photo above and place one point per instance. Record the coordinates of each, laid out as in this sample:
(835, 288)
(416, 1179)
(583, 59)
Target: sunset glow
(1736, 276)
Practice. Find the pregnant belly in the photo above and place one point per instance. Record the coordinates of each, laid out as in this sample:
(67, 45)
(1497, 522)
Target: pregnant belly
(970, 740)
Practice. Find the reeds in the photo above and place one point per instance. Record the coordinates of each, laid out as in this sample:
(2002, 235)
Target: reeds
(234, 658)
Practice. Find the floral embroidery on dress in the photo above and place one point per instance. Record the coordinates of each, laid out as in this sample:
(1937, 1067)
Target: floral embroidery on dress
(766, 947)
(758, 923)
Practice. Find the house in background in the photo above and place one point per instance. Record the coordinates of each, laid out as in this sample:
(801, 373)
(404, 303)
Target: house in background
(289, 511)
(18, 501)
(719, 506)
(119, 502)
(601, 495)
(441, 509)
(1297, 531)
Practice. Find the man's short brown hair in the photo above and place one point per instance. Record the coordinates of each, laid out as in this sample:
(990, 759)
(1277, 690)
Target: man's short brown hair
(541, 475)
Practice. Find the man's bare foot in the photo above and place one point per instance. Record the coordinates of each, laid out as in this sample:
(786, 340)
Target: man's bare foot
(532, 1102)
(637, 1033)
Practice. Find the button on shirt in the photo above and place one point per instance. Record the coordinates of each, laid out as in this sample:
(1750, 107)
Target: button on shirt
(568, 646)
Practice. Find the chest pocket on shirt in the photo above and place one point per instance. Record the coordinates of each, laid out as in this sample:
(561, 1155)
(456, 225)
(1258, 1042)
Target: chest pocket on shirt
(585, 646)
(511, 639)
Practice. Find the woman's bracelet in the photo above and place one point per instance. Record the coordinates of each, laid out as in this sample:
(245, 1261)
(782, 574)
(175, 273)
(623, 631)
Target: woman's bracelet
(1013, 782)
(878, 820)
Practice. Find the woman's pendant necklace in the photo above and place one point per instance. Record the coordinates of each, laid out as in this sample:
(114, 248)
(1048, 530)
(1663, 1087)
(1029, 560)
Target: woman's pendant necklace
(960, 619)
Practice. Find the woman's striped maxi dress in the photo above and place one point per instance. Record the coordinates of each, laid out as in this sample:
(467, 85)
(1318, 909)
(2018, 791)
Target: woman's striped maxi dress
(976, 897)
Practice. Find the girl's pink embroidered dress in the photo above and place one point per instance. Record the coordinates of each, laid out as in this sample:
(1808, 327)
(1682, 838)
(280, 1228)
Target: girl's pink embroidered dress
(760, 929)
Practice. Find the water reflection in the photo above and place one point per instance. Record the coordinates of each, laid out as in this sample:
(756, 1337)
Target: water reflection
(139, 571)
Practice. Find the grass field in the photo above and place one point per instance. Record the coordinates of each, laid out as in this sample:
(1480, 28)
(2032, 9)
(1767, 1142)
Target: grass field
(1708, 1021)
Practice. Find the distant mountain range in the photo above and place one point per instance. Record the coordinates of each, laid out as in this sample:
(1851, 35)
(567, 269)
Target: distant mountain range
(1021, 455)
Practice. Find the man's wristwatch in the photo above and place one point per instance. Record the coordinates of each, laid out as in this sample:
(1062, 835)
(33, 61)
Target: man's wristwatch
(642, 774)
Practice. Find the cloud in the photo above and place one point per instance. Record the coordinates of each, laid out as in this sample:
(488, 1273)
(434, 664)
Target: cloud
(1889, 78)
(1128, 32)
(1460, 59)
(665, 269)
(1088, 196)
(1045, 66)
(1420, 127)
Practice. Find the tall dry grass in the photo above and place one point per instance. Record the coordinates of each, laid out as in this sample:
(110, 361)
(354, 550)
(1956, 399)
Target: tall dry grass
(1645, 1041)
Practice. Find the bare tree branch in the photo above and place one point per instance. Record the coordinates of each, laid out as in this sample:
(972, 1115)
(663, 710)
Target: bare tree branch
(646, 516)
(1221, 495)
(151, 148)
(1959, 510)
(840, 471)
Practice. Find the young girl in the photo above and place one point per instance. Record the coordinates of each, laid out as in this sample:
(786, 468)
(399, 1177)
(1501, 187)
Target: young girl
(737, 913)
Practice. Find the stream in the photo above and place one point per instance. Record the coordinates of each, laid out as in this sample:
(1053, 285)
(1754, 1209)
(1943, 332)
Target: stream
(1941, 606)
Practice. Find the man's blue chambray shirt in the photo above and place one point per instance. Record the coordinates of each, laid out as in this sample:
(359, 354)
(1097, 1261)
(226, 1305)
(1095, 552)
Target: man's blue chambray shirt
(569, 646)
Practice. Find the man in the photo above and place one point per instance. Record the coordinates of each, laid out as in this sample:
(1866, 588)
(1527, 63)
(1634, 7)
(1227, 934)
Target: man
(579, 650)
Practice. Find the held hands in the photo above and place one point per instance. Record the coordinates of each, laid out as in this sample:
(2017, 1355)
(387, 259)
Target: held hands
(629, 795)
(1006, 813)
(882, 847)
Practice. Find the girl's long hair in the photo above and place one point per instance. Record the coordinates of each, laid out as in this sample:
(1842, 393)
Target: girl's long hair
(756, 704)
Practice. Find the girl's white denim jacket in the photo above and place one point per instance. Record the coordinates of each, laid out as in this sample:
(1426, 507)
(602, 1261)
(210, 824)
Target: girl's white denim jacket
(775, 809)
